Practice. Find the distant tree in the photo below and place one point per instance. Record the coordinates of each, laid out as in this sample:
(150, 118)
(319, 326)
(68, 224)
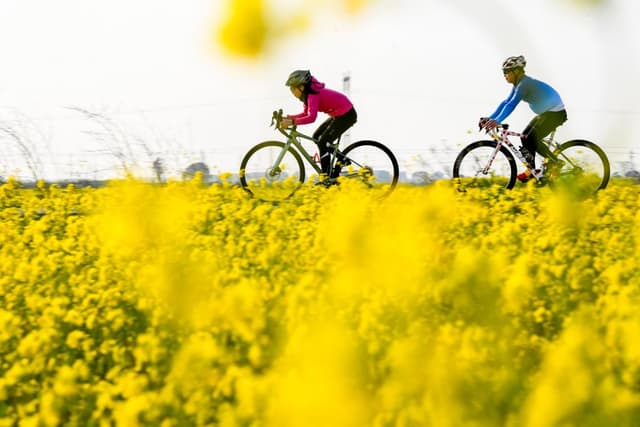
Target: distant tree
(194, 168)
(420, 178)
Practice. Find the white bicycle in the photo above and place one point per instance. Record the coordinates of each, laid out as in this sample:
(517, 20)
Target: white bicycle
(483, 163)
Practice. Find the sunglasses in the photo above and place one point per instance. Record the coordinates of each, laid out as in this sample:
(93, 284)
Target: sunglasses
(505, 72)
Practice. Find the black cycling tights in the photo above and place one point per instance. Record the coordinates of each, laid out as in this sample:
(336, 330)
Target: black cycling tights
(537, 129)
(330, 131)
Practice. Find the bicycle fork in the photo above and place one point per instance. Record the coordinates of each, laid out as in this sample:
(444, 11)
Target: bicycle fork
(275, 169)
(485, 170)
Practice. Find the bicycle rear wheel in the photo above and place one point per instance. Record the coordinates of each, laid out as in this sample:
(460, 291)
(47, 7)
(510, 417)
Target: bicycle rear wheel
(586, 169)
(266, 180)
(474, 166)
(371, 163)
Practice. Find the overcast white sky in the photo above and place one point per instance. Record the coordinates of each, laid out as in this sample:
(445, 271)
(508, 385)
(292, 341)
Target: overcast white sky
(422, 71)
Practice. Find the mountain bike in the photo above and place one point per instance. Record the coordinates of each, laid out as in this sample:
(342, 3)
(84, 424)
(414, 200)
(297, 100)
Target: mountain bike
(583, 165)
(274, 170)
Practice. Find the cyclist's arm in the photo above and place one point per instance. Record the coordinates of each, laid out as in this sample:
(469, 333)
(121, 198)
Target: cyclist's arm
(310, 111)
(296, 116)
(507, 106)
(500, 107)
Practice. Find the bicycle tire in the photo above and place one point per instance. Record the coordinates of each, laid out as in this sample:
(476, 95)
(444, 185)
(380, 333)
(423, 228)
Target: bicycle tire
(473, 159)
(376, 168)
(256, 169)
(593, 160)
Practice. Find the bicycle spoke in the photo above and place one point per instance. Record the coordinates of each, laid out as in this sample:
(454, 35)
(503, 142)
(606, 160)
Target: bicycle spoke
(371, 163)
(586, 168)
(478, 165)
(266, 180)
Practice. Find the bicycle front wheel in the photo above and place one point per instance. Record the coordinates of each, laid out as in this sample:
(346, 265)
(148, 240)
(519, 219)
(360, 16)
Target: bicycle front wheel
(266, 178)
(586, 167)
(371, 163)
(480, 164)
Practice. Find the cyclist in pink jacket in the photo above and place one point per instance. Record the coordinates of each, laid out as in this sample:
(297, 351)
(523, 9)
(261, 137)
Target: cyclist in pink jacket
(317, 98)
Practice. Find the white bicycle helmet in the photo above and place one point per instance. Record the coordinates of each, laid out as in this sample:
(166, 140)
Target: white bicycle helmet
(299, 77)
(514, 62)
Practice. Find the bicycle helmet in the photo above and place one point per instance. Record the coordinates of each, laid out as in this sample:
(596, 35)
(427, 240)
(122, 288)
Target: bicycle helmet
(514, 62)
(299, 77)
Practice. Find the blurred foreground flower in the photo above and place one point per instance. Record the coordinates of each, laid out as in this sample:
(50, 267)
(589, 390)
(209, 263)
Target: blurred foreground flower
(250, 25)
(244, 31)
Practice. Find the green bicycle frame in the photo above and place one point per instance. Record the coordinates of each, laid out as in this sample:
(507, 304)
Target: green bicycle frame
(292, 139)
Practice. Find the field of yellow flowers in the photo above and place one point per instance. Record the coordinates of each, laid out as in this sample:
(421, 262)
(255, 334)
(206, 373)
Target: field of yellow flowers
(185, 304)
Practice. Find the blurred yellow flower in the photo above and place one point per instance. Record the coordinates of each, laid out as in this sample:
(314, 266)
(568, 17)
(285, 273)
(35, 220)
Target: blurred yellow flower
(250, 26)
(187, 304)
(245, 29)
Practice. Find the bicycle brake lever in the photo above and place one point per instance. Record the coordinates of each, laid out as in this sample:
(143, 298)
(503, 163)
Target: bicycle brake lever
(276, 117)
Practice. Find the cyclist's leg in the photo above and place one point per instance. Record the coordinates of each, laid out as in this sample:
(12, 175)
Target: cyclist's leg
(537, 129)
(529, 142)
(322, 146)
(548, 123)
(336, 128)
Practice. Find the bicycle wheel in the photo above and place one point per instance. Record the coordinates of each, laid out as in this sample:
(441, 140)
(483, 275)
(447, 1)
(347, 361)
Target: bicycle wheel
(474, 166)
(586, 169)
(372, 163)
(261, 177)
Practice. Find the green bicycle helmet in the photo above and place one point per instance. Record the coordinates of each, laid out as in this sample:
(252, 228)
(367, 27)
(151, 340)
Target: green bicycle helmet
(299, 77)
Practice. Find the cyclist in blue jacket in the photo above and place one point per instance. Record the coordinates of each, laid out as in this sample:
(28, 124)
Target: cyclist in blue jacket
(543, 100)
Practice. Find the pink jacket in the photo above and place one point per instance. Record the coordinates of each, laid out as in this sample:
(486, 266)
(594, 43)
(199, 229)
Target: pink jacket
(324, 100)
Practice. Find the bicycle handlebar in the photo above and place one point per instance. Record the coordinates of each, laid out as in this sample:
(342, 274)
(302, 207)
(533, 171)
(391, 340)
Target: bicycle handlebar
(276, 119)
(498, 125)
